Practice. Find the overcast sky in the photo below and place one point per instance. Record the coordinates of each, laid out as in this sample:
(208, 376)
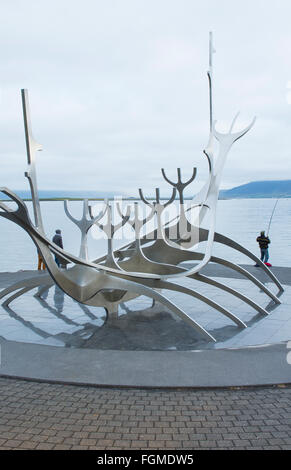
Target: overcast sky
(118, 89)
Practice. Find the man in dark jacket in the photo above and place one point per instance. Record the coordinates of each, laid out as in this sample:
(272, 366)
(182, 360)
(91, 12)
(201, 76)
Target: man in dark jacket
(57, 239)
(264, 242)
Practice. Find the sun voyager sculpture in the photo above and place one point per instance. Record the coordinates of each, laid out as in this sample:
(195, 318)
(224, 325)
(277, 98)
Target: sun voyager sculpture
(151, 264)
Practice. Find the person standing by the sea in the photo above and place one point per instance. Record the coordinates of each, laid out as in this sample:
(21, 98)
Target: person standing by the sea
(264, 241)
(41, 265)
(57, 239)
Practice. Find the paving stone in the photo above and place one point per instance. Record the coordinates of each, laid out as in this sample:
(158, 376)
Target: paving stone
(29, 445)
(62, 447)
(44, 446)
(192, 419)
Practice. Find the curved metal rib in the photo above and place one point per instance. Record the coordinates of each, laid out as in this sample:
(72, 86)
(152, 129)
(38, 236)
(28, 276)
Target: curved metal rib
(219, 238)
(248, 275)
(145, 265)
(179, 256)
(230, 290)
(185, 290)
(160, 268)
(112, 282)
(162, 251)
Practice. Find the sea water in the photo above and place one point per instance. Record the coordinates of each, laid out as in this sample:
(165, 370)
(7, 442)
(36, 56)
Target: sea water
(240, 219)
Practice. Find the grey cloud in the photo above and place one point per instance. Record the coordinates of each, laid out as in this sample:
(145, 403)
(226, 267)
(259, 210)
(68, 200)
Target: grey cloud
(119, 89)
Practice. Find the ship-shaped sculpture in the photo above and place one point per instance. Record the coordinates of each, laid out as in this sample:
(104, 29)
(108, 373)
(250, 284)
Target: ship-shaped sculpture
(152, 264)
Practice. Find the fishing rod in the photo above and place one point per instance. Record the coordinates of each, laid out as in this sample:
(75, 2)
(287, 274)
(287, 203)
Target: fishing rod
(272, 216)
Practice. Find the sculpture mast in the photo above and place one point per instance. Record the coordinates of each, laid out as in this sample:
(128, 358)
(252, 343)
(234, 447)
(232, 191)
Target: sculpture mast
(31, 148)
(209, 73)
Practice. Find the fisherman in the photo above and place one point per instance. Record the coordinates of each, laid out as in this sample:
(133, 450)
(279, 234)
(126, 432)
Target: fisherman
(57, 239)
(264, 241)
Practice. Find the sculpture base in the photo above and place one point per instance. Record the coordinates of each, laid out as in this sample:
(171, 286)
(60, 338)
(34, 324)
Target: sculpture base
(142, 324)
(146, 345)
(263, 365)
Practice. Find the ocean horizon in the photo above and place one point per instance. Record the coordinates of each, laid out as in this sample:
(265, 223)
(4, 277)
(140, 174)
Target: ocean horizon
(51, 194)
(79, 194)
(65, 194)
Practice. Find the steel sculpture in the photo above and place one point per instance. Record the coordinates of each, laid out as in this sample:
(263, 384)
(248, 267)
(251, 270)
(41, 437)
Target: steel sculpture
(84, 225)
(151, 264)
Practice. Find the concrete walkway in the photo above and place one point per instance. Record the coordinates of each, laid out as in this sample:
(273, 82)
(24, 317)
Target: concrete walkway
(45, 416)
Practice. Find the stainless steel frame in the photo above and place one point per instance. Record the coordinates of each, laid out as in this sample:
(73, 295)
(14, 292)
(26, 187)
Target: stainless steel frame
(150, 264)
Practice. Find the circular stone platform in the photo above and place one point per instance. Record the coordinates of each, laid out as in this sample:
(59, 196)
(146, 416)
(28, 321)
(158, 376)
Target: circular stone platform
(58, 340)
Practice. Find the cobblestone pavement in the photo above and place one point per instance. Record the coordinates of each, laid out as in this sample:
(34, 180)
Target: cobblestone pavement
(52, 416)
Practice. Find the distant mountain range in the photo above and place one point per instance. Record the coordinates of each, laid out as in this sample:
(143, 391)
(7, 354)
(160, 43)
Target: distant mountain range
(259, 189)
(255, 189)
